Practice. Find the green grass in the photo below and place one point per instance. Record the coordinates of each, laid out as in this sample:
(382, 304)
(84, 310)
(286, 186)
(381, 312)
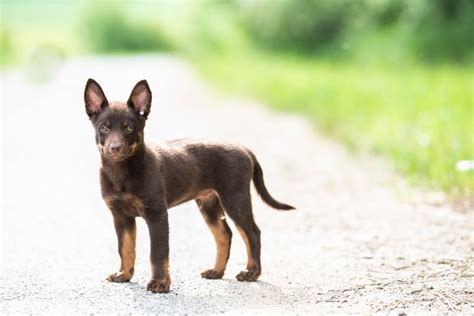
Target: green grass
(421, 118)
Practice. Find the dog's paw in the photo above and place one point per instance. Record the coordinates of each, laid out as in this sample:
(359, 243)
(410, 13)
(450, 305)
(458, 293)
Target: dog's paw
(212, 274)
(159, 286)
(119, 277)
(249, 276)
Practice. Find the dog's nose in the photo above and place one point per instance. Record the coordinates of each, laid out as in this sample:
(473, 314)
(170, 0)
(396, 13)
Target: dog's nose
(115, 147)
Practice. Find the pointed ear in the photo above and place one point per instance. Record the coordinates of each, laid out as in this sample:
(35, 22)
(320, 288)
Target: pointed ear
(140, 98)
(94, 98)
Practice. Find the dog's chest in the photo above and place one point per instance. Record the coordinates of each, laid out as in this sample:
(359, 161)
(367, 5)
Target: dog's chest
(125, 203)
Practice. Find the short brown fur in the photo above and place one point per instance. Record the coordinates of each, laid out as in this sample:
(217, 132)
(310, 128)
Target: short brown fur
(214, 216)
(143, 180)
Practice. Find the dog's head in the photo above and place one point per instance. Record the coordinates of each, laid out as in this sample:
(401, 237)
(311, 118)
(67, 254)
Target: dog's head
(118, 125)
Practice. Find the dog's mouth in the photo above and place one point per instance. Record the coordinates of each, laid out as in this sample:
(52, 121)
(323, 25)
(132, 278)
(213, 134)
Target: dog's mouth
(116, 157)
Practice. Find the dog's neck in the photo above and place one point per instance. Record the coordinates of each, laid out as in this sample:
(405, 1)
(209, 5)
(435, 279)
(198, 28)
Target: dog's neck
(119, 171)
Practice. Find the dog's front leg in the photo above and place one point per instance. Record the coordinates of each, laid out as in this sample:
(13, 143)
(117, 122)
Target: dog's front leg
(126, 230)
(159, 252)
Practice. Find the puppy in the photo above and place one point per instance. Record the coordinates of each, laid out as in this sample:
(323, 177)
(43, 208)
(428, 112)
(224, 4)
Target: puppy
(141, 180)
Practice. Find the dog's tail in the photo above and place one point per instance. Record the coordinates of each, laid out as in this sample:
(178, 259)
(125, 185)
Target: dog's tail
(262, 190)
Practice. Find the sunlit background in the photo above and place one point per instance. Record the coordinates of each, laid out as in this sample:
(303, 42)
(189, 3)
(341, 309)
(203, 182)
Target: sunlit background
(393, 77)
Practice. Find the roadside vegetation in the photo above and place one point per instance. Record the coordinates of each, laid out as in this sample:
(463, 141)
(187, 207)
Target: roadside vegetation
(392, 77)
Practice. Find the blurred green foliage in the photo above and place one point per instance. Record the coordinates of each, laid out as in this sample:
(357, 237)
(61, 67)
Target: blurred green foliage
(377, 84)
(6, 49)
(296, 25)
(107, 29)
(418, 31)
(437, 30)
(391, 76)
(443, 30)
(421, 118)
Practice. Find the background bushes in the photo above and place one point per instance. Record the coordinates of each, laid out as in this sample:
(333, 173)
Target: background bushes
(443, 30)
(305, 26)
(108, 29)
(426, 31)
(434, 30)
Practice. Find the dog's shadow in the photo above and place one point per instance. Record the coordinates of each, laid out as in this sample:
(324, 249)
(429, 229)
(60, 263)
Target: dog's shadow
(208, 296)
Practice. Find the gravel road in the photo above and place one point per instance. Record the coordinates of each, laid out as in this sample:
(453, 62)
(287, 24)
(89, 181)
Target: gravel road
(353, 246)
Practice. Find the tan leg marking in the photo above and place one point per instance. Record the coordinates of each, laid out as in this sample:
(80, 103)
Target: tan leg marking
(128, 252)
(127, 257)
(222, 244)
(250, 260)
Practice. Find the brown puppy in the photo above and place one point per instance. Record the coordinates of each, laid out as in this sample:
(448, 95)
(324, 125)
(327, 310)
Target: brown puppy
(141, 180)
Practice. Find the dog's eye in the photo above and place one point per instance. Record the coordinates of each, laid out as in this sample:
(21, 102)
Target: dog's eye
(129, 129)
(104, 129)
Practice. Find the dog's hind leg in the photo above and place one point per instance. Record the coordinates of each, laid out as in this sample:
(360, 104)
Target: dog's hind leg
(238, 206)
(213, 214)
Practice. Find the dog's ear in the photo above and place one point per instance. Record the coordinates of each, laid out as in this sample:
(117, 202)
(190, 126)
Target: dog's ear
(140, 98)
(94, 98)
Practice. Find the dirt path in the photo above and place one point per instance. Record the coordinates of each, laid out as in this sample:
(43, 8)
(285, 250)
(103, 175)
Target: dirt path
(351, 247)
